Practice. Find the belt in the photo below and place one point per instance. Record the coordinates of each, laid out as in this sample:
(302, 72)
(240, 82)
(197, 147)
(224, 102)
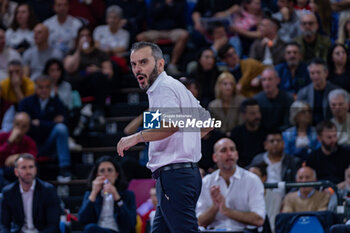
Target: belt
(173, 166)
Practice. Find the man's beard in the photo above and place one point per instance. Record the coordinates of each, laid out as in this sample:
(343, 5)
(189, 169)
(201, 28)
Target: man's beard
(309, 33)
(330, 148)
(152, 77)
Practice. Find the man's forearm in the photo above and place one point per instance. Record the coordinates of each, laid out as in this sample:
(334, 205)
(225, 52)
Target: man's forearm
(207, 217)
(249, 218)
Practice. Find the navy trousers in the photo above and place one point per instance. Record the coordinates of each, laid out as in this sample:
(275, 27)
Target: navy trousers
(177, 193)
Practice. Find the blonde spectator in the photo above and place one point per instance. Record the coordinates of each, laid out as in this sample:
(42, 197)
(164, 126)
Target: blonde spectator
(226, 105)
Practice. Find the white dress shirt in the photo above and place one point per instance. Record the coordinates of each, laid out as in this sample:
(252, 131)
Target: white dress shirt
(107, 219)
(245, 193)
(27, 198)
(171, 97)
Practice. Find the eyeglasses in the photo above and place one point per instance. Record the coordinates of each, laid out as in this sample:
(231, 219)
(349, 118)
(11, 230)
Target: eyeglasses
(230, 54)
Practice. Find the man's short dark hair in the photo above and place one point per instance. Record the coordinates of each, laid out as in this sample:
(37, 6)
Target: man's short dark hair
(274, 21)
(293, 43)
(246, 103)
(273, 132)
(223, 50)
(43, 78)
(26, 156)
(320, 127)
(214, 25)
(262, 168)
(318, 61)
(14, 62)
(156, 51)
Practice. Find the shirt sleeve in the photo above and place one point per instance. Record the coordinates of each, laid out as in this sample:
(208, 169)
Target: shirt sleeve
(256, 201)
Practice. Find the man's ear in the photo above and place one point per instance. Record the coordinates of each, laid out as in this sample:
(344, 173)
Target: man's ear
(214, 156)
(161, 64)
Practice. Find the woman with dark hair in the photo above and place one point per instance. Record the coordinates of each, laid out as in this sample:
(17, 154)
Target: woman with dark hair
(62, 89)
(20, 35)
(89, 70)
(339, 66)
(108, 207)
(205, 73)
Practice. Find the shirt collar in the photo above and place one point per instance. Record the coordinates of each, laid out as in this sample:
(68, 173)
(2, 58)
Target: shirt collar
(160, 77)
(308, 196)
(237, 175)
(31, 187)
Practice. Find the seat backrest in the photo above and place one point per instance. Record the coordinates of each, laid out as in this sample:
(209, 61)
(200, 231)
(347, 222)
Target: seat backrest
(304, 221)
(141, 188)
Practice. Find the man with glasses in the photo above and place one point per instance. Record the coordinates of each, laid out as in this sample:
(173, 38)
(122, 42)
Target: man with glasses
(312, 43)
(244, 71)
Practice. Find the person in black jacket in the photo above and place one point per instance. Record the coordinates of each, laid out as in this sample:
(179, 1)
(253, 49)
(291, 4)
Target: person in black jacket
(108, 207)
(29, 204)
(48, 129)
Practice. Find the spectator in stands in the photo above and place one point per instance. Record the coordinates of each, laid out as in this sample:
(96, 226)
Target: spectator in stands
(302, 5)
(327, 19)
(306, 198)
(226, 105)
(273, 199)
(331, 160)
(168, 21)
(344, 31)
(112, 38)
(244, 71)
(42, 9)
(301, 138)
(13, 143)
(191, 85)
(108, 207)
(250, 131)
(7, 14)
(48, 129)
(62, 27)
(17, 86)
(339, 66)
(205, 72)
(208, 9)
(312, 43)
(219, 36)
(34, 58)
(4, 106)
(232, 198)
(89, 70)
(293, 72)
(269, 48)
(339, 103)
(274, 103)
(61, 88)
(20, 35)
(344, 187)
(134, 12)
(246, 21)
(280, 166)
(29, 204)
(288, 19)
(316, 93)
(7, 54)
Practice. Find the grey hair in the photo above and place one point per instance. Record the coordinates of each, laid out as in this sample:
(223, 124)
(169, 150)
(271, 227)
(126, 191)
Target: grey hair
(313, 172)
(26, 156)
(306, 12)
(337, 93)
(115, 10)
(296, 107)
(42, 78)
(272, 69)
(156, 51)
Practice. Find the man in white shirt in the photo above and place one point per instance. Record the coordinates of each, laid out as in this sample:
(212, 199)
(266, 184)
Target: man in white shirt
(63, 27)
(339, 103)
(112, 38)
(35, 58)
(232, 198)
(174, 151)
(29, 205)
